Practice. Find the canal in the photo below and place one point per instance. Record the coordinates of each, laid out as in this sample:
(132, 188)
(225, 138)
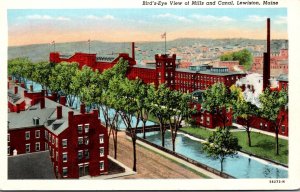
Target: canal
(242, 166)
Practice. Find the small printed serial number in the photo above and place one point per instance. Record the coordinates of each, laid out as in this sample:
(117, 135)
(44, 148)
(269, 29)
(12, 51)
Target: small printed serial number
(277, 181)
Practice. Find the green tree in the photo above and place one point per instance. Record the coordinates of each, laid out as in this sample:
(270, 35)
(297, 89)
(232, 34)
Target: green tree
(41, 74)
(243, 109)
(271, 104)
(159, 99)
(179, 110)
(16, 68)
(217, 99)
(244, 57)
(221, 144)
(61, 80)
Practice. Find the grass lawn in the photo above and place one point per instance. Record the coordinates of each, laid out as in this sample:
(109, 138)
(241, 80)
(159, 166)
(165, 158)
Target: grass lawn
(262, 145)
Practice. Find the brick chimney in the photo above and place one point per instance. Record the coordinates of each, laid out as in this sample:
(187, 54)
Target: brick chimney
(16, 89)
(42, 102)
(82, 108)
(267, 58)
(59, 112)
(133, 50)
(18, 108)
(23, 85)
(63, 100)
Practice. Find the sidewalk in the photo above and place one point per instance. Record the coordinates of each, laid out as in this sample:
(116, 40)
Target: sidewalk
(260, 131)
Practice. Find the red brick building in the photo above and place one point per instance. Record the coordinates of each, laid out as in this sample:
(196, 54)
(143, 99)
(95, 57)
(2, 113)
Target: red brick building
(76, 141)
(164, 71)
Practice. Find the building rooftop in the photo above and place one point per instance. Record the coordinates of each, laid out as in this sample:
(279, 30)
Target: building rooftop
(210, 72)
(25, 118)
(147, 66)
(30, 166)
(283, 77)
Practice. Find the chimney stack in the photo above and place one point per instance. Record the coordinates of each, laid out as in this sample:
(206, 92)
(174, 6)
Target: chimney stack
(23, 85)
(42, 102)
(267, 58)
(59, 112)
(82, 108)
(18, 108)
(133, 50)
(16, 89)
(62, 100)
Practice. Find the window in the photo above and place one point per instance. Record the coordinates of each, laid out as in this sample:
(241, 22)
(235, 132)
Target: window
(37, 146)
(46, 146)
(64, 143)
(101, 151)
(8, 150)
(46, 135)
(86, 128)
(65, 171)
(266, 125)
(282, 128)
(8, 137)
(56, 156)
(27, 135)
(261, 125)
(80, 140)
(86, 154)
(37, 134)
(201, 121)
(56, 142)
(53, 140)
(101, 165)
(79, 128)
(65, 157)
(27, 148)
(80, 154)
(207, 120)
(101, 138)
(49, 137)
(86, 140)
(53, 153)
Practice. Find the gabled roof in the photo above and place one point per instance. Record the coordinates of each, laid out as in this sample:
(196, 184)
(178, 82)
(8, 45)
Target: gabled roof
(283, 77)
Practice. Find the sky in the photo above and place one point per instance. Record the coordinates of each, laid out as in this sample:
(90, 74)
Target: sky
(37, 26)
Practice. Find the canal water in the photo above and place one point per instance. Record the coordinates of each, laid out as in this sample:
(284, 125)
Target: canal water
(242, 166)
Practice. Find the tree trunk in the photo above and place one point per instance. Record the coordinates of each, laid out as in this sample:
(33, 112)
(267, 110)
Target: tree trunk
(163, 139)
(173, 143)
(222, 160)
(248, 134)
(144, 129)
(249, 138)
(134, 153)
(116, 143)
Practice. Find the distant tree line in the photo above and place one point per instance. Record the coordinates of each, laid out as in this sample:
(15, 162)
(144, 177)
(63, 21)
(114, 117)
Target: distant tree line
(244, 57)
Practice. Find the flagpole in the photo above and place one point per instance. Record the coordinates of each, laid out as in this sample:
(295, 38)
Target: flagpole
(165, 43)
(89, 46)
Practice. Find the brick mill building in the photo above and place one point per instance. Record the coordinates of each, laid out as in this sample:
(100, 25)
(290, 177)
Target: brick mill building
(76, 140)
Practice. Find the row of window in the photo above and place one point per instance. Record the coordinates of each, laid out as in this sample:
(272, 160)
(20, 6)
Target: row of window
(86, 128)
(37, 134)
(80, 154)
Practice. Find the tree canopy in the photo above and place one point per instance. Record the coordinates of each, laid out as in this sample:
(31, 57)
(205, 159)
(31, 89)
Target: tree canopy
(244, 57)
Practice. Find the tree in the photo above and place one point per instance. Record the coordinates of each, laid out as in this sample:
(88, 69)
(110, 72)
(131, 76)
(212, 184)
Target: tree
(130, 100)
(221, 144)
(61, 80)
(244, 57)
(178, 111)
(243, 109)
(217, 100)
(41, 74)
(271, 104)
(159, 99)
(16, 68)
(144, 106)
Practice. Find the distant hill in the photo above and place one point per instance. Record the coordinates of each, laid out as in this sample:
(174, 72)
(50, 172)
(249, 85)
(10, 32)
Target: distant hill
(144, 50)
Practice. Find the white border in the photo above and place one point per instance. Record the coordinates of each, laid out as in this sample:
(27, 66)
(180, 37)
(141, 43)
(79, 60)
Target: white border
(175, 184)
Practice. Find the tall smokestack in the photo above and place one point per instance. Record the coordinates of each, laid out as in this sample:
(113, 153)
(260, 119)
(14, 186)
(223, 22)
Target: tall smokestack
(133, 50)
(267, 58)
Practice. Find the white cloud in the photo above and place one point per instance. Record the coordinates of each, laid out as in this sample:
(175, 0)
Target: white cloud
(257, 18)
(46, 17)
(211, 18)
(105, 17)
(174, 17)
(280, 20)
